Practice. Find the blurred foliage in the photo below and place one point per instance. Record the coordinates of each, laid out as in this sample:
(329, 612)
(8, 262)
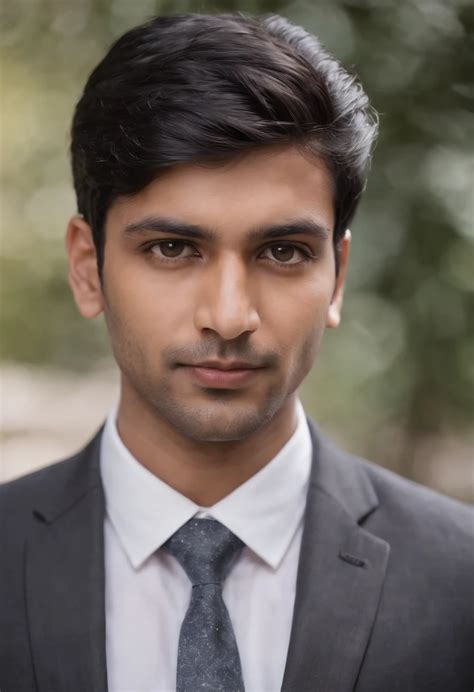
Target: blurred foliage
(402, 364)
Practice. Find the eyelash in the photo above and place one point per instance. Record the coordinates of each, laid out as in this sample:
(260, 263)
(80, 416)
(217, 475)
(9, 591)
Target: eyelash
(308, 256)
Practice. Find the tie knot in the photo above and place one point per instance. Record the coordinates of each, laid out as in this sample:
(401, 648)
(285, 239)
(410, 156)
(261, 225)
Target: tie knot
(205, 549)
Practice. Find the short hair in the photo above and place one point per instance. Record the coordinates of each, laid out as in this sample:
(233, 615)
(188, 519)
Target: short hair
(206, 88)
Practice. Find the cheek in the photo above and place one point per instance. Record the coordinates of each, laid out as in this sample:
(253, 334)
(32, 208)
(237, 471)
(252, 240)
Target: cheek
(302, 321)
(305, 352)
(144, 306)
(304, 309)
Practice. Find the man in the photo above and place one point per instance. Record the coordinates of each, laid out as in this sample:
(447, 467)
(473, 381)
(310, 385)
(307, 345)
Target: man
(209, 536)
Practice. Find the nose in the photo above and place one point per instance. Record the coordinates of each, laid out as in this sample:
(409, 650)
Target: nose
(224, 303)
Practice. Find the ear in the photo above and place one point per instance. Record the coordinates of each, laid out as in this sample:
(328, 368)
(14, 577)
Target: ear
(334, 312)
(83, 272)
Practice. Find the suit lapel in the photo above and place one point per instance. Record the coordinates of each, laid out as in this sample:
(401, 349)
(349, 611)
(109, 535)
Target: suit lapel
(65, 580)
(340, 576)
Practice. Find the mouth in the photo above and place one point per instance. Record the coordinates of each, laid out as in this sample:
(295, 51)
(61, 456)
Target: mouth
(220, 377)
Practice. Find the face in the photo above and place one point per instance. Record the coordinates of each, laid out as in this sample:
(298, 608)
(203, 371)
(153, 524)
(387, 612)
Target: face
(227, 263)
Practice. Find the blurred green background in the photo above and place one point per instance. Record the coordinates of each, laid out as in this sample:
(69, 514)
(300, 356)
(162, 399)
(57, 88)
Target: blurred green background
(395, 382)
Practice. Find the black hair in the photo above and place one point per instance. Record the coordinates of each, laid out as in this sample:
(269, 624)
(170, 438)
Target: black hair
(206, 88)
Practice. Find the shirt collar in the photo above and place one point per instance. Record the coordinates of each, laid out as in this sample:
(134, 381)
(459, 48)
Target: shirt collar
(264, 512)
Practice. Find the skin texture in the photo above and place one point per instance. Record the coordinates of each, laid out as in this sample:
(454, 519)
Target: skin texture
(225, 298)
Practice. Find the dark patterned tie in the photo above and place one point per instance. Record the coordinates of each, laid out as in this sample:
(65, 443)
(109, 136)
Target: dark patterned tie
(208, 658)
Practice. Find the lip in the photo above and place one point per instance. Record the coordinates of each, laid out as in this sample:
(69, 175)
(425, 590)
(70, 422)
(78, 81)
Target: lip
(221, 378)
(225, 365)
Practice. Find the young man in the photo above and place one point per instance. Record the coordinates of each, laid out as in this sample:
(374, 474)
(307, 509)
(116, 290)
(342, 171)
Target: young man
(209, 537)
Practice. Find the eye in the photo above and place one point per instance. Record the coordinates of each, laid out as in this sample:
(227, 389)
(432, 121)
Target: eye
(171, 249)
(287, 253)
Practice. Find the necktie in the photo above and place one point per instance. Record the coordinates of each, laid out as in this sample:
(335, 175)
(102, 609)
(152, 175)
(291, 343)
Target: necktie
(208, 658)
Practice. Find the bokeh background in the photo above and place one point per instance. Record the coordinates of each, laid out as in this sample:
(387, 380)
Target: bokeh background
(395, 382)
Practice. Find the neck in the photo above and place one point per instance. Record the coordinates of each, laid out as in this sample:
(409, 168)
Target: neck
(205, 472)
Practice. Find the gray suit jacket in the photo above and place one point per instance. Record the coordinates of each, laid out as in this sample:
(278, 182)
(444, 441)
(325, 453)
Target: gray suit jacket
(384, 593)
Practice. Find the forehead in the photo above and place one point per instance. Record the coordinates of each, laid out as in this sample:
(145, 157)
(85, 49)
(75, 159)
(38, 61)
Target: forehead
(262, 187)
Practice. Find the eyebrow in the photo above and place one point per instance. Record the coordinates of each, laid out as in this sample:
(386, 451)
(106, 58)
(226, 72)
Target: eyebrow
(304, 225)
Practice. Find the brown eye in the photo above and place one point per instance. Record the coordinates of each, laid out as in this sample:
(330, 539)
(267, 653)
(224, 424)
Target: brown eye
(283, 253)
(286, 254)
(170, 248)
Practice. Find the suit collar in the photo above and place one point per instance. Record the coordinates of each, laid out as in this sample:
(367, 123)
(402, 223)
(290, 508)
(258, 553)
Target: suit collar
(333, 472)
(264, 511)
(73, 479)
(341, 476)
(64, 578)
(341, 573)
(340, 576)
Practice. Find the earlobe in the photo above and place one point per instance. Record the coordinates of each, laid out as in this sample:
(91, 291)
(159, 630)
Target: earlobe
(335, 308)
(334, 316)
(83, 271)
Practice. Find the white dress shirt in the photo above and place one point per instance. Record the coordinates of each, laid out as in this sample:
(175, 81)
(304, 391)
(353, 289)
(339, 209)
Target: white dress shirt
(147, 591)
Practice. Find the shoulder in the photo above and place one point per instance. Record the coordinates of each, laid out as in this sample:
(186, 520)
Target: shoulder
(385, 503)
(25, 490)
(430, 538)
(49, 486)
(417, 522)
(404, 504)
